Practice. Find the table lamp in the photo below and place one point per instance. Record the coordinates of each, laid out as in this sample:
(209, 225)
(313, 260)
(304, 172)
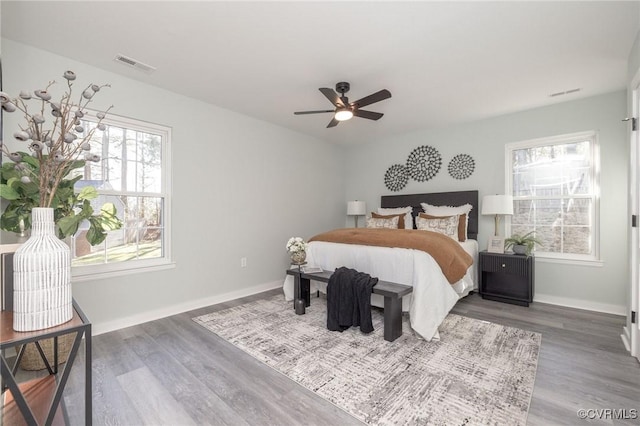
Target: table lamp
(356, 208)
(497, 205)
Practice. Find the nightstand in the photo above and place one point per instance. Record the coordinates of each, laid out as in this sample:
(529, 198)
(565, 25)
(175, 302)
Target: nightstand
(507, 277)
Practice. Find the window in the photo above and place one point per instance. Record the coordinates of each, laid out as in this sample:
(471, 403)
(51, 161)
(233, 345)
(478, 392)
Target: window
(555, 185)
(134, 174)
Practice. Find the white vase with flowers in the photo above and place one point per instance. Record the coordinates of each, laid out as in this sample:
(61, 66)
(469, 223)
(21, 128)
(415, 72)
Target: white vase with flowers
(38, 185)
(297, 249)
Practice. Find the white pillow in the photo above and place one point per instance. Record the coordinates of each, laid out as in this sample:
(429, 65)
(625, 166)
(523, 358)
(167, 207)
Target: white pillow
(391, 223)
(448, 211)
(408, 219)
(447, 225)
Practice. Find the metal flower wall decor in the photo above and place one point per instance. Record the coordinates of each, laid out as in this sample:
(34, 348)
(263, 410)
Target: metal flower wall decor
(423, 164)
(396, 177)
(461, 166)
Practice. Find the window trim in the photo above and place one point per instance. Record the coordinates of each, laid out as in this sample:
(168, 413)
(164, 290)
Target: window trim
(593, 137)
(107, 270)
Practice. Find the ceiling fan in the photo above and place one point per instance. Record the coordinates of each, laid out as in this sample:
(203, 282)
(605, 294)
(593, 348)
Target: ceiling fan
(345, 109)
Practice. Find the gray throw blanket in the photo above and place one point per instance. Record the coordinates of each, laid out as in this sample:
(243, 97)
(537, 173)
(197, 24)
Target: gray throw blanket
(349, 300)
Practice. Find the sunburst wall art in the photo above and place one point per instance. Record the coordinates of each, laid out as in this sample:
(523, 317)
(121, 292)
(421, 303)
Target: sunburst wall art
(396, 177)
(461, 166)
(424, 163)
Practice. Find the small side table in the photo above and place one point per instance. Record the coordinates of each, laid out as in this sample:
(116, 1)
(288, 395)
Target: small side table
(506, 277)
(38, 401)
(301, 288)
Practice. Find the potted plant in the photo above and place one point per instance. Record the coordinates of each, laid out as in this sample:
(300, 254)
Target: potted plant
(38, 188)
(522, 244)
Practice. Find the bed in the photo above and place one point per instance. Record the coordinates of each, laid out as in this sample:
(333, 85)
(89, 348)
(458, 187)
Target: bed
(433, 295)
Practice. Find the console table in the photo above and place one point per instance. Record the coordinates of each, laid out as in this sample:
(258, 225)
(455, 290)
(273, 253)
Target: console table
(38, 401)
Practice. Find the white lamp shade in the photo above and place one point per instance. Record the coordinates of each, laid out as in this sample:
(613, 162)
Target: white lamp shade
(356, 208)
(343, 115)
(497, 204)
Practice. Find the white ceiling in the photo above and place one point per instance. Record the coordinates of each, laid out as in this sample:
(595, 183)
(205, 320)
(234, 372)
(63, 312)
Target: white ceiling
(444, 62)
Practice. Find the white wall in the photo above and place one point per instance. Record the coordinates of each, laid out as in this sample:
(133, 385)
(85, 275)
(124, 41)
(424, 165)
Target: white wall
(602, 288)
(241, 188)
(633, 69)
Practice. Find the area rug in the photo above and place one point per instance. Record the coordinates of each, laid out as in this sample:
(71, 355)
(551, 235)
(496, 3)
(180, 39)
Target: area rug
(478, 373)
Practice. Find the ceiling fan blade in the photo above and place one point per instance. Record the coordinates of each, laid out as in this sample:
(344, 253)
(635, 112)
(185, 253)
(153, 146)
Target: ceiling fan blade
(368, 114)
(376, 97)
(332, 96)
(312, 112)
(332, 123)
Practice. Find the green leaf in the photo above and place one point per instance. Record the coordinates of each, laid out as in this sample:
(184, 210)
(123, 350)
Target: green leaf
(68, 225)
(30, 160)
(95, 235)
(87, 210)
(6, 167)
(108, 217)
(65, 195)
(10, 221)
(73, 181)
(10, 172)
(108, 209)
(35, 198)
(76, 164)
(8, 193)
(29, 189)
(87, 193)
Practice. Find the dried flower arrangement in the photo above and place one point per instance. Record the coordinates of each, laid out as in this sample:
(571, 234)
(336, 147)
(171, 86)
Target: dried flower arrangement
(57, 144)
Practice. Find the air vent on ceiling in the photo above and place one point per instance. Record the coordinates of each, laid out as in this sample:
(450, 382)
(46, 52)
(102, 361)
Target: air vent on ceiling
(565, 92)
(125, 60)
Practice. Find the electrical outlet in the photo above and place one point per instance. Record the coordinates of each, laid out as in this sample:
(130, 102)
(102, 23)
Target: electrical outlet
(243, 262)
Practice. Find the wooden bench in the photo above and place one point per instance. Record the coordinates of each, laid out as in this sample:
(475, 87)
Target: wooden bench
(392, 293)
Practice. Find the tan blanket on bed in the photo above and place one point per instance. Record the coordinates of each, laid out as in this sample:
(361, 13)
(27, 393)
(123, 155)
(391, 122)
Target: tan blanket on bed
(451, 257)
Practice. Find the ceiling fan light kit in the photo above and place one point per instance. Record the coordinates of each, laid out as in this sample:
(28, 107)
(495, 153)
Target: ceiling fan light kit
(345, 110)
(343, 114)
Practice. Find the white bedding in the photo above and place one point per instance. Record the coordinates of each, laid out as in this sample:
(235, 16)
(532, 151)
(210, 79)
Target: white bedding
(432, 297)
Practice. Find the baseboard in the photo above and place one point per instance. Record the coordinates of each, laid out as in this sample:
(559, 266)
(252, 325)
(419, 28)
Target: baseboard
(100, 328)
(105, 327)
(626, 338)
(581, 304)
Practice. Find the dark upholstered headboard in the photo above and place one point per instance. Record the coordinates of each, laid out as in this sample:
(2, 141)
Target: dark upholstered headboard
(456, 198)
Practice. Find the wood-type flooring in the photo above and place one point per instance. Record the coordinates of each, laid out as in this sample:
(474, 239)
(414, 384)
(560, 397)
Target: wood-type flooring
(174, 372)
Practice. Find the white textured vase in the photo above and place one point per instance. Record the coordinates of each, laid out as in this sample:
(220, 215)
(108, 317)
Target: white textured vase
(41, 277)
